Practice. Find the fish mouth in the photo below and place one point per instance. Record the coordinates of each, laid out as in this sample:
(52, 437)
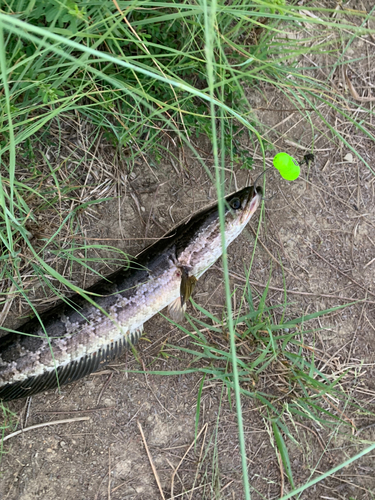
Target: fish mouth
(253, 200)
(255, 195)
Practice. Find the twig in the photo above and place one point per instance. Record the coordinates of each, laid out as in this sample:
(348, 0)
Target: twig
(105, 385)
(27, 411)
(368, 263)
(343, 274)
(281, 473)
(200, 457)
(338, 478)
(355, 333)
(183, 458)
(298, 292)
(152, 390)
(353, 91)
(121, 485)
(89, 410)
(226, 486)
(100, 485)
(151, 461)
(193, 489)
(327, 193)
(102, 372)
(109, 472)
(360, 429)
(272, 257)
(318, 439)
(45, 424)
(154, 61)
(7, 304)
(342, 414)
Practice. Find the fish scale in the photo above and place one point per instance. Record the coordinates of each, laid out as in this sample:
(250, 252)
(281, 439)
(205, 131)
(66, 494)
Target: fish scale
(76, 338)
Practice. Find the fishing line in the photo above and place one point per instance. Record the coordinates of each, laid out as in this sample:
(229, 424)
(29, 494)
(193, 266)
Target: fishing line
(256, 180)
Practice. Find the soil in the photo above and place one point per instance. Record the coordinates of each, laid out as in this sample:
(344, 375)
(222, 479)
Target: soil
(316, 241)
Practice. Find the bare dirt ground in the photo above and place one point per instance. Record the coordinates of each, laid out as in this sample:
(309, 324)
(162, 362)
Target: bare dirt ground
(321, 228)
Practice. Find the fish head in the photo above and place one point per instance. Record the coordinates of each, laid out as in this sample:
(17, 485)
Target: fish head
(240, 206)
(199, 242)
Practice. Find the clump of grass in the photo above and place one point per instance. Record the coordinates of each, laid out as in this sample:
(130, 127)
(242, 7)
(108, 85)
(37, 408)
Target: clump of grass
(279, 369)
(140, 74)
(143, 76)
(8, 419)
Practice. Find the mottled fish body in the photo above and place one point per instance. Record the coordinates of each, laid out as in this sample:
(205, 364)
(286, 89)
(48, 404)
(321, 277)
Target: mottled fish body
(81, 337)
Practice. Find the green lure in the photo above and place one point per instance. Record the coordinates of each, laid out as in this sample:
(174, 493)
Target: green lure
(287, 166)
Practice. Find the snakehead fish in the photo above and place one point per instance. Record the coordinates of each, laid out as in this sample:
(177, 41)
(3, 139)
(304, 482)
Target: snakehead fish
(75, 338)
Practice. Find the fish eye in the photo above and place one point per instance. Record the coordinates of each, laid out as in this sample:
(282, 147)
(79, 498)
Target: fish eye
(235, 203)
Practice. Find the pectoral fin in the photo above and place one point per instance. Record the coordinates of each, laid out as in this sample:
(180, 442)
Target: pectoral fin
(187, 286)
(177, 308)
(177, 311)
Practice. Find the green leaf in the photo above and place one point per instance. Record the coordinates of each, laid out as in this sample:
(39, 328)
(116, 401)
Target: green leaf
(280, 443)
